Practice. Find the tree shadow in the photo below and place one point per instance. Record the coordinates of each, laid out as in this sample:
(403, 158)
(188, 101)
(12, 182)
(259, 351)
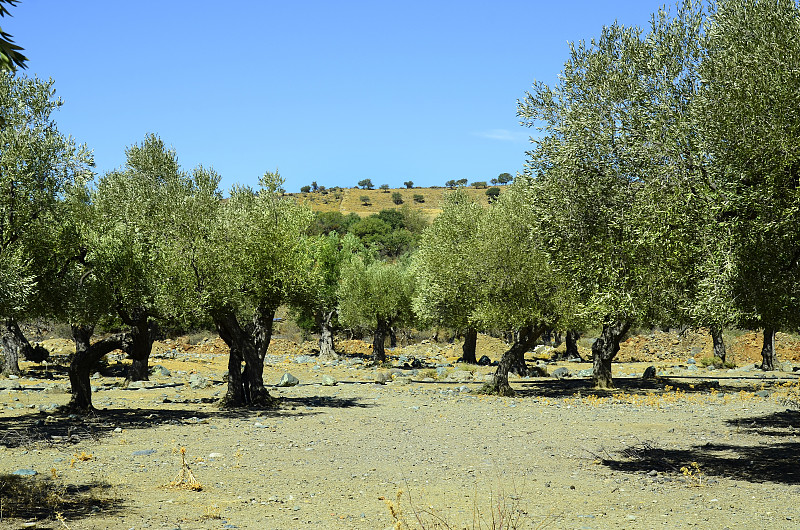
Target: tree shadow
(784, 423)
(583, 387)
(45, 499)
(40, 427)
(776, 462)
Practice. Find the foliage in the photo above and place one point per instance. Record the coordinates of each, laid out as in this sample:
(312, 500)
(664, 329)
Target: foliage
(397, 197)
(504, 178)
(448, 273)
(365, 200)
(11, 56)
(408, 184)
(384, 188)
(326, 222)
(365, 184)
(751, 133)
(613, 167)
(418, 197)
(492, 193)
(374, 290)
(479, 184)
(305, 189)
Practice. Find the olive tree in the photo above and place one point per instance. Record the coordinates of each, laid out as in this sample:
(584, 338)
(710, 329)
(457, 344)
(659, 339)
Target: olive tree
(235, 262)
(375, 295)
(38, 166)
(447, 271)
(751, 132)
(617, 156)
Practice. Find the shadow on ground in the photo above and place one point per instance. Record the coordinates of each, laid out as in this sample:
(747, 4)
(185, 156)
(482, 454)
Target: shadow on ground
(565, 388)
(39, 427)
(45, 500)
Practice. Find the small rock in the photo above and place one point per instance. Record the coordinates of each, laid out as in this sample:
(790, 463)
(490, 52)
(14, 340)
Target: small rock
(649, 373)
(138, 384)
(118, 430)
(484, 361)
(690, 360)
(302, 359)
(328, 380)
(160, 370)
(288, 380)
(382, 377)
(561, 373)
(197, 381)
(24, 472)
(763, 393)
(588, 372)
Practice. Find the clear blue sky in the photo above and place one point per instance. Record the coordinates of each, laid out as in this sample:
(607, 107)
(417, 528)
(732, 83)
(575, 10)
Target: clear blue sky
(331, 91)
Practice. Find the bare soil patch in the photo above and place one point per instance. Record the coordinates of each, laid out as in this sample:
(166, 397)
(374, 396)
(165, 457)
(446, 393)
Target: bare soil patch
(558, 455)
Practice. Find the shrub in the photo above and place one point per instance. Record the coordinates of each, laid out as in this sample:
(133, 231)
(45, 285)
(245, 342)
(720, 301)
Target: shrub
(419, 197)
(365, 200)
(397, 198)
(480, 184)
(385, 188)
(493, 193)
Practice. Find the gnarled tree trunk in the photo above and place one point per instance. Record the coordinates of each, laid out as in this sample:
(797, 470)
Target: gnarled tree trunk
(468, 349)
(86, 357)
(246, 383)
(513, 360)
(379, 339)
(327, 351)
(143, 334)
(769, 358)
(603, 351)
(719, 343)
(15, 345)
(572, 345)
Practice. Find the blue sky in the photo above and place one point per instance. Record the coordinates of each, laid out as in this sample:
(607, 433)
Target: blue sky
(332, 92)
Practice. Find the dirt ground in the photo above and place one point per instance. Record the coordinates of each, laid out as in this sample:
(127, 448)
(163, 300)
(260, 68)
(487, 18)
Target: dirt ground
(557, 455)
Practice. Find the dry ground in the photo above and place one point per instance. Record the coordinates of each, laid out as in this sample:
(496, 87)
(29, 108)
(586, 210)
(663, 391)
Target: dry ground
(558, 455)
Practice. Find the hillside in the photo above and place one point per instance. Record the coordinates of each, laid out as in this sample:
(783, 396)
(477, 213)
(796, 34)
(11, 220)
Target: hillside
(348, 200)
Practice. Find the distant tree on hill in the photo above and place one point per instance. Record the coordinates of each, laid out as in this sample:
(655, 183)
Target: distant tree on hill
(365, 200)
(479, 184)
(305, 189)
(493, 193)
(418, 197)
(365, 184)
(397, 197)
(450, 183)
(314, 186)
(504, 178)
(385, 188)
(408, 184)
(461, 182)
(494, 182)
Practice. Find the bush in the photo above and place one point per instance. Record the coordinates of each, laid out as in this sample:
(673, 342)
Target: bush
(305, 189)
(493, 193)
(397, 198)
(419, 197)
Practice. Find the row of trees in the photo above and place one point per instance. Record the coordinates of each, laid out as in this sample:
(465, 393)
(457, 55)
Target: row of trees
(663, 189)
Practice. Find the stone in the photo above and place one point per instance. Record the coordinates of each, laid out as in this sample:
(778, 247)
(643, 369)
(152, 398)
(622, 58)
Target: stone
(302, 359)
(382, 378)
(588, 372)
(763, 393)
(288, 379)
(197, 381)
(786, 367)
(441, 371)
(649, 373)
(484, 361)
(24, 472)
(328, 380)
(160, 370)
(11, 384)
(690, 360)
(561, 373)
(138, 384)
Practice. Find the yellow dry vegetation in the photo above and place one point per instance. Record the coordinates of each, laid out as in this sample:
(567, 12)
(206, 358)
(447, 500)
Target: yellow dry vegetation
(348, 200)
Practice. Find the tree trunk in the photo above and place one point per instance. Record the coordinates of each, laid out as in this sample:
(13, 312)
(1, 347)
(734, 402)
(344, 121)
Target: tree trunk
(86, 357)
(572, 345)
(768, 356)
(378, 340)
(719, 343)
(512, 360)
(143, 334)
(392, 337)
(468, 349)
(327, 352)
(246, 383)
(14, 343)
(603, 351)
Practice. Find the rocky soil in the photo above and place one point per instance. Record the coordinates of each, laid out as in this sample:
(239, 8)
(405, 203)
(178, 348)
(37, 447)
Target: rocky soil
(350, 437)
